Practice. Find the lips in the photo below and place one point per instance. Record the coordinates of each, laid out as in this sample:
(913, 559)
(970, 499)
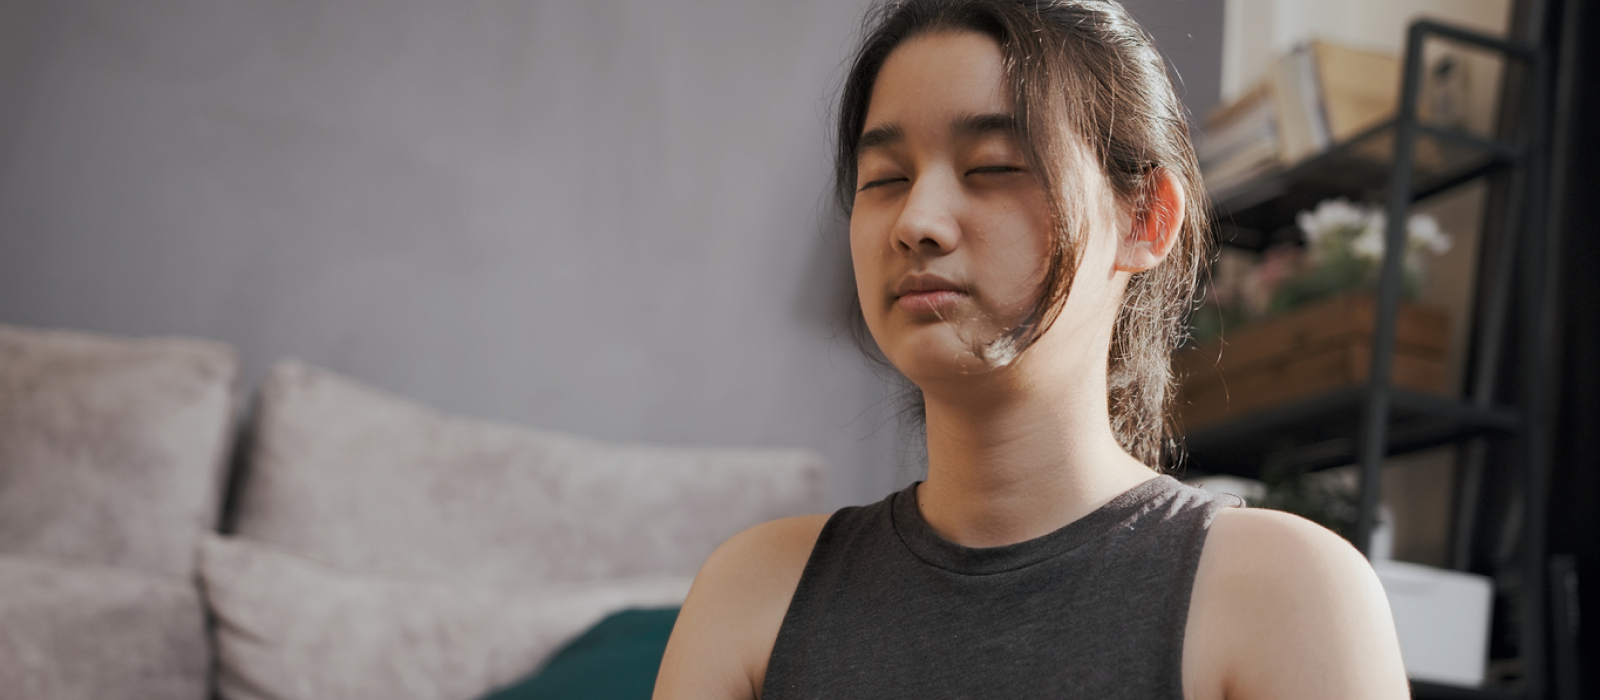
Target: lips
(924, 283)
(927, 294)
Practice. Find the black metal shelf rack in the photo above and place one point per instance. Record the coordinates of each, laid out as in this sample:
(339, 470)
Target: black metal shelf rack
(1402, 161)
(1318, 433)
(1359, 168)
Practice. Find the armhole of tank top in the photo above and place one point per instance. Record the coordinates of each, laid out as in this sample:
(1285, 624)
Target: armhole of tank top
(806, 575)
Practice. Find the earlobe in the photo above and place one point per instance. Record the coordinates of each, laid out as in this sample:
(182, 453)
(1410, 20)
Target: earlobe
(1155, 228)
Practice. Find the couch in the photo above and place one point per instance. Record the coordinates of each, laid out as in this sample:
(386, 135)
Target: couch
(339, 542)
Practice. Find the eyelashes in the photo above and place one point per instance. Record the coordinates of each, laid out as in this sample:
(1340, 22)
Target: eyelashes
(879, 183)
(996, 169)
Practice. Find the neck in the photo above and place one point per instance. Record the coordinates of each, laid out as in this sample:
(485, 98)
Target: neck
(1024, 458)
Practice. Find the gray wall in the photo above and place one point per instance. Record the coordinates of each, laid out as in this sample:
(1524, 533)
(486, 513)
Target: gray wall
(1189, 34)
(606, 217)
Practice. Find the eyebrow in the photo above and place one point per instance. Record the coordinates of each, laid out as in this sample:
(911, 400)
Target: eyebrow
(880, 137)
(966, 126)
(986, 124)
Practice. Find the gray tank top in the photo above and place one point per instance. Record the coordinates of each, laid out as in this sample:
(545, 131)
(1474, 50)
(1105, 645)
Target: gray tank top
(886, 608)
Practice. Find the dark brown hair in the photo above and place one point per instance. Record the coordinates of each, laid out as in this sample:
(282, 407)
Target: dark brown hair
(1086, 86)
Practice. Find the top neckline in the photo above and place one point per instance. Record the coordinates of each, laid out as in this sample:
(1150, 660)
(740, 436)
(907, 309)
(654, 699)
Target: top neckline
(939, 552)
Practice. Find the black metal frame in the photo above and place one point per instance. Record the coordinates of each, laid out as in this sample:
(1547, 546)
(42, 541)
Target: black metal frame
(1385, 420)
(1533, 427)
(1379, 395)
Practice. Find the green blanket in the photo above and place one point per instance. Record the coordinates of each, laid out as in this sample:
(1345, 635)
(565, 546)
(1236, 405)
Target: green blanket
(616, 659)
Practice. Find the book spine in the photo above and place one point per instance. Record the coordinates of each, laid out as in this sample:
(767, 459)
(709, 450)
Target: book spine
(1294, 129)
(1313, 96)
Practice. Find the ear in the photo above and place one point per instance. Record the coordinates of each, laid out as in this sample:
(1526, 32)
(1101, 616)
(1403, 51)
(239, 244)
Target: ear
(1155, 227)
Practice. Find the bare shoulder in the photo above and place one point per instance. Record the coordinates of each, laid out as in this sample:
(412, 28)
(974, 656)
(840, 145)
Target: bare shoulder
(720, 644)
(1283, 607)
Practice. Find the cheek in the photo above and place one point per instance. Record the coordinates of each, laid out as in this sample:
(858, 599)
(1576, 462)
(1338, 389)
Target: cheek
(865, 263)
(1021, 258)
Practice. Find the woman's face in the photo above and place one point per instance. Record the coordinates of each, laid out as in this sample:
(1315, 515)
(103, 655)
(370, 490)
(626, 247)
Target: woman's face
(949, 235)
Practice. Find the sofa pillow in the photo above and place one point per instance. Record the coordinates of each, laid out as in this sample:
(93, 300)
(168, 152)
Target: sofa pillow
(80, 632)
(111, 448)
(348, 475)
(288, 627)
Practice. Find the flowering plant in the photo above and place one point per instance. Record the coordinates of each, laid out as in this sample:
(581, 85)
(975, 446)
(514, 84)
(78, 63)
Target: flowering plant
(1342, 250)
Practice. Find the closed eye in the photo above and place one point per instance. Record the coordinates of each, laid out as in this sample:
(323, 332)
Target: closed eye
(995, 169)
(879, 183)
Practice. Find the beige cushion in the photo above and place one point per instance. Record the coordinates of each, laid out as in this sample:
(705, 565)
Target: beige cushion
(288, 627)
(111, 448)
(72, 631)
(361, 480)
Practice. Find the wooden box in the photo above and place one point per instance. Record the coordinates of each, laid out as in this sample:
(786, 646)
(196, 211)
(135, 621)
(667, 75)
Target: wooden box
(1312, 350)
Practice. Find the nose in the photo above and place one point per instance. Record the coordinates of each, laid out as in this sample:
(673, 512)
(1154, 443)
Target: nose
(929, 222)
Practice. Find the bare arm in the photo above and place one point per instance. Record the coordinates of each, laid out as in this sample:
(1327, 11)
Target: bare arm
(724, 635)
(1284, 608)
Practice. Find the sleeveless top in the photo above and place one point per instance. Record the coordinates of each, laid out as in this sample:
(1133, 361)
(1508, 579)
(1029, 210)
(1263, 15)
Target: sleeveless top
(886, 608)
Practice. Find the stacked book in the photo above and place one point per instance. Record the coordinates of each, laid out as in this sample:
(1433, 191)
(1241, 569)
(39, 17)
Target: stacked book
(1317, 96)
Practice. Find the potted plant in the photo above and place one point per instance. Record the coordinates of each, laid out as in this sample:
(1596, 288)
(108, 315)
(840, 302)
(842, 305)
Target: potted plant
(1296, 319)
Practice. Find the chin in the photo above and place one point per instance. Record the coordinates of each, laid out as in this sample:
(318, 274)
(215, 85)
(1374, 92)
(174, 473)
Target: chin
(938, 354)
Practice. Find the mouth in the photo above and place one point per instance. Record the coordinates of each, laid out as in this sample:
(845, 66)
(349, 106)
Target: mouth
(927, 294)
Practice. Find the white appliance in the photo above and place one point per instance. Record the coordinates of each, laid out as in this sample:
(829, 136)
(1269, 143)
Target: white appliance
(1442, 617)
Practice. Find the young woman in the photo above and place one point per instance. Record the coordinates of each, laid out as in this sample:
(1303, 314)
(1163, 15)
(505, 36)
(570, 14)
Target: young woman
(1026, 222)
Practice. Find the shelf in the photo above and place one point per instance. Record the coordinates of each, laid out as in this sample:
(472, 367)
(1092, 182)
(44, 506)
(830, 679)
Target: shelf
(1435, 691)
(1322, 432)
(1326, 431)
(1249, 214)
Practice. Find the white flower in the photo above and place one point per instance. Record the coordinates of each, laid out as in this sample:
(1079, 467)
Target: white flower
(1330, 216)
(1337, 231)
(1422, 232)
(1369, 244)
